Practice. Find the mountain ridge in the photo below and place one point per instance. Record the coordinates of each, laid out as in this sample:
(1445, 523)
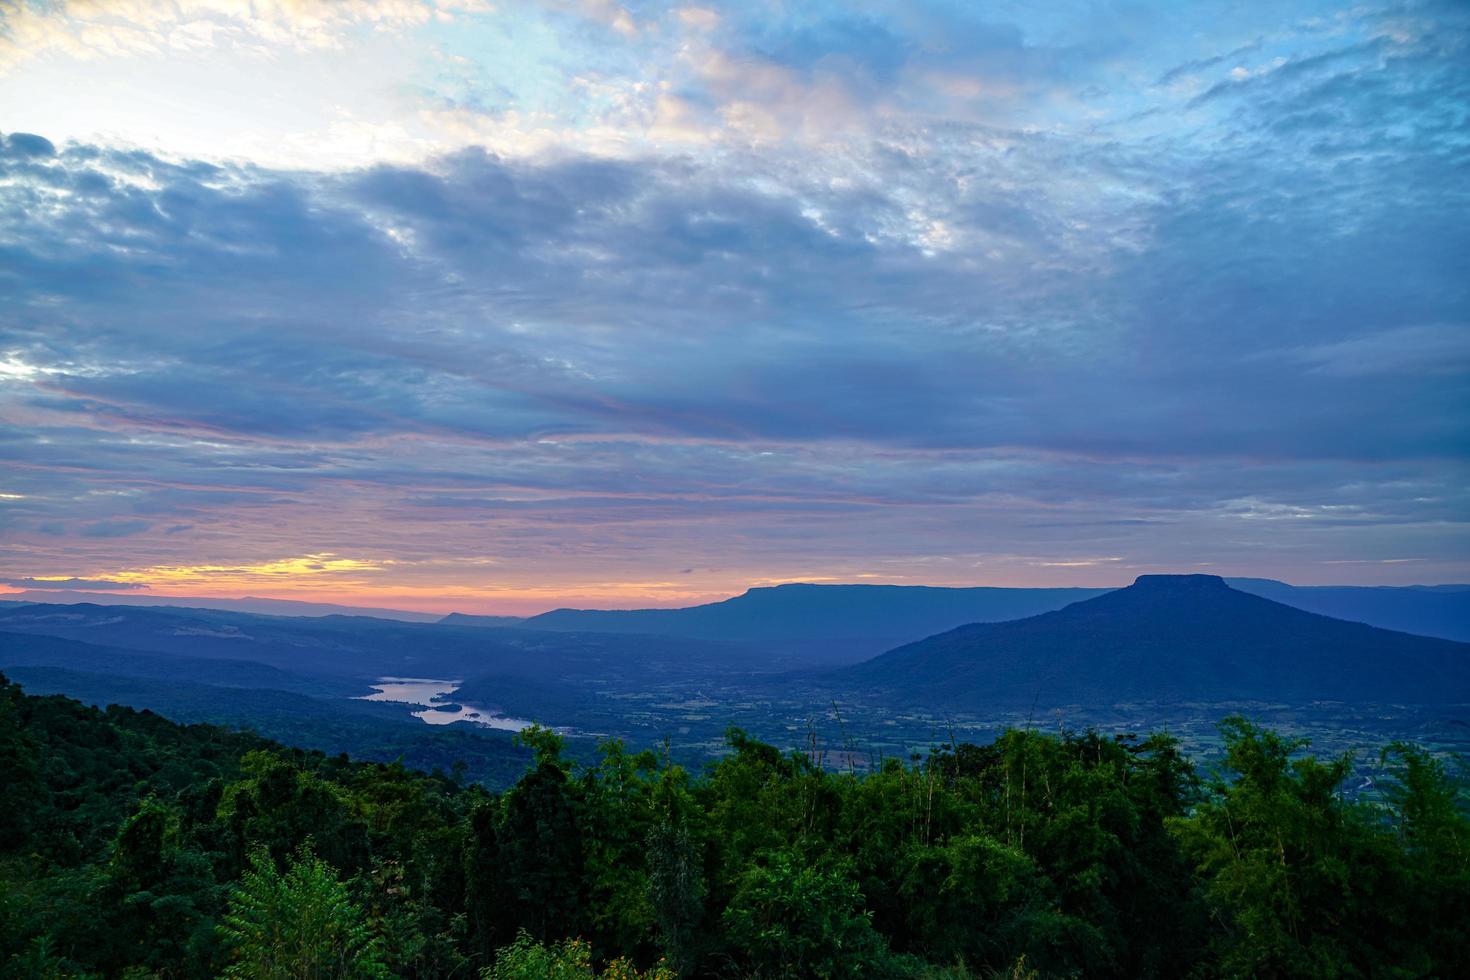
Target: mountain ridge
(1427, 610)
(824, 621)
(256, 605)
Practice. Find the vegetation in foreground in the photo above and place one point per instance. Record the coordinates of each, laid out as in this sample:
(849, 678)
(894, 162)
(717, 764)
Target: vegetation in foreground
(134, 847)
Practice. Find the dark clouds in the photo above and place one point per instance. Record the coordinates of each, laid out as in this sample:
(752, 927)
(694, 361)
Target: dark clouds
(1240, 338)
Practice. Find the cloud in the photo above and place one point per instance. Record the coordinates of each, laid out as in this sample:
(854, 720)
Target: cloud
(24, 145)
(59, 583)
(110, 28)
(1198, 65)
(324, 564)
(113, 529)
(1156, 327)
(1417, 351)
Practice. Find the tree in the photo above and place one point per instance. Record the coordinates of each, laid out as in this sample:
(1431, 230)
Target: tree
(675, 884)
(1433, 828)
(1300, 882)
(792, 919)
(617, 811)
(571, 959)
(540, 849)
(483, 903)
(300, 925)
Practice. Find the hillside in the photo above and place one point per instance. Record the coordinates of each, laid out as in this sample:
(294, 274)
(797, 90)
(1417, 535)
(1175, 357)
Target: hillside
(43, 651)
(133, 846)
(1166, 639)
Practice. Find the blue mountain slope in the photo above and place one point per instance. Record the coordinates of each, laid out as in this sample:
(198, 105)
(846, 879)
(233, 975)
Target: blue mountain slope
(54, 652)
(836, 622)
(1167, 639)
(1438, 610)
(822, 621)
(344, 646)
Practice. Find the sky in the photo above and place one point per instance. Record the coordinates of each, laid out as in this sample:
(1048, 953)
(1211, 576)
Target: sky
(501, 306)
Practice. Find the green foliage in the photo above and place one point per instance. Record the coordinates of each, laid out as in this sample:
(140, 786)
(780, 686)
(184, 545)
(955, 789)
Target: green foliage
(1301, 881)
(675, 880)
(792, 919)
(526, 959)
(483, 900)
(540, 861)
(546, 745)
(1432, 817)
(571, 959)
(616, 800)
(297, 925)
(135, 847)
(279, 805)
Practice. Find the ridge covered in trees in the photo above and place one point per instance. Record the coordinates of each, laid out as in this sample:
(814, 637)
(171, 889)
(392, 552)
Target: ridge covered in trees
(132, 846)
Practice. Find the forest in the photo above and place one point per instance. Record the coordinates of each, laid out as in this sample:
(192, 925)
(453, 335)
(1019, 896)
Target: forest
(131, 846)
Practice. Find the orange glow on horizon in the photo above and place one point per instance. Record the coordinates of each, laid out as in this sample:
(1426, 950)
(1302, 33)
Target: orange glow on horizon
(429, 599)
(489, 586)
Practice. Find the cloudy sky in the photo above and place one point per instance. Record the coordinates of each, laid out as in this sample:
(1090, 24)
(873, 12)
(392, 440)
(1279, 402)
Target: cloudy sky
(500, 306)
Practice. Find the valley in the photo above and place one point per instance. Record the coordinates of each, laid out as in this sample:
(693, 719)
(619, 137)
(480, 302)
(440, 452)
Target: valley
(780, 664)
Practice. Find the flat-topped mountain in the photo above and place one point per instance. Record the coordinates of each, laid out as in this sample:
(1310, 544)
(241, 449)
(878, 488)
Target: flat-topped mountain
(1166, 638)
(847, 623)
(851, 620)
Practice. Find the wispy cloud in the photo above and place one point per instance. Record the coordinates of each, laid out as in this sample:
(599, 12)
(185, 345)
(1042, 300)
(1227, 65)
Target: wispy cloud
(60, 582)
(96, 29)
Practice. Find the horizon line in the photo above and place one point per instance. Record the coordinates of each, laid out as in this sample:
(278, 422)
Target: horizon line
(388, 604)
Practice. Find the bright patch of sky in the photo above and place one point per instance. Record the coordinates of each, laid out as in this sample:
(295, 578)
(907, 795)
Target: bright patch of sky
(322, 84)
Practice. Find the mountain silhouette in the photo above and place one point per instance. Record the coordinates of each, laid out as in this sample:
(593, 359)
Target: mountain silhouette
(1166, 638)
(821, 621)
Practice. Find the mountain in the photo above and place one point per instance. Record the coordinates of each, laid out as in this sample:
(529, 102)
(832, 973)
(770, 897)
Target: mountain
(837, 623)
(1429, 610)
(361, 647)
(1166, 638)
(248, 604)
(490, 622)
(831, 622)
(25, 650)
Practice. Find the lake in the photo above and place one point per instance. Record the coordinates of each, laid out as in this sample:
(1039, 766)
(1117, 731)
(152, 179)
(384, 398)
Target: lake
(434, 696)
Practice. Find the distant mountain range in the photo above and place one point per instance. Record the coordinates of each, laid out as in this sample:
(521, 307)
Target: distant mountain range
(360, 647)
(1166, 638)
(248, 604)
(493, 622)
(850, 621)
(1429, 610)
(764, 658)
(39, 651)
(820, 622)
(835, 623)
